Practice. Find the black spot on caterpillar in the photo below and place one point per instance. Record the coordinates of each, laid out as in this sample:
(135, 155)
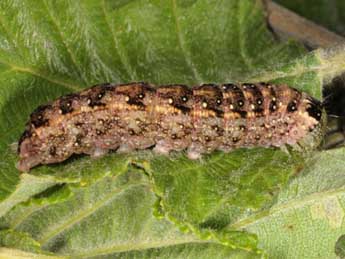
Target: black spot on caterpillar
(201, 119)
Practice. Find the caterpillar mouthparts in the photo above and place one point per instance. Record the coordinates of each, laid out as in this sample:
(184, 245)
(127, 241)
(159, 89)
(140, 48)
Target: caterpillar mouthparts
(201, 119)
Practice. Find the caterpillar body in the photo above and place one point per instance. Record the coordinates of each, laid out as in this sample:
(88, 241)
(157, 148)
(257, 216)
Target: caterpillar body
(201, 119)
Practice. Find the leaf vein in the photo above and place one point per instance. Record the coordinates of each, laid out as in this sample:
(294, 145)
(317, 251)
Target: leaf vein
(23, 216)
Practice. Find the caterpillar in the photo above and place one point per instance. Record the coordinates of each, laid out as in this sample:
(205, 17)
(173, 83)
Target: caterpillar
(200, 119)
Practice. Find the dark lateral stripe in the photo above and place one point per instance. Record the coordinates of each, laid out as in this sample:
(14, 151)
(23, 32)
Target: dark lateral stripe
(272, 92)
(227, 87)
(315, 110)
(292, 107)
(40, 122)
(182, 108)
(254, 89)
(106, 87)
(239, 98)
(37, 117)
(273, 104)
(42, 108)
(94, 103)
(259, 112)
(26, 134)
(135, 102)
(257, 94)
(219, 113)
(65, 104)
(242, 113)
(237, 91)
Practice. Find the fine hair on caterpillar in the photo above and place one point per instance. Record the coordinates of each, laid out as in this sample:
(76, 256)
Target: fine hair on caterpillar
(199, 119)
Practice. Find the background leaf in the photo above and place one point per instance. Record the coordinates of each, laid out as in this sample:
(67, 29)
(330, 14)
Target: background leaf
(329, 13)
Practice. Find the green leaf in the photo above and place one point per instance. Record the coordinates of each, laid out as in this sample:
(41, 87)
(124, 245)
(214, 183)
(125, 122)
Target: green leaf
(328, 13)
(112, 217)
